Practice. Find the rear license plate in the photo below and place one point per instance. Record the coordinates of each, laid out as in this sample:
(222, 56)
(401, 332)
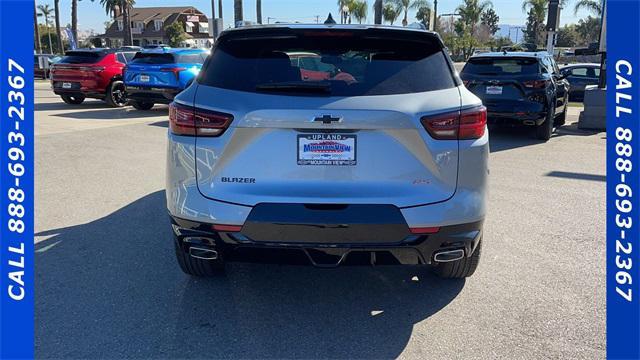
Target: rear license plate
(494, 90)
(326, 149)
(144, 78)
(66, 85)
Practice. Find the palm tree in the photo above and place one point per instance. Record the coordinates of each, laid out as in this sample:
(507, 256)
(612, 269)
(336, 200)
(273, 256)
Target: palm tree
(537, 10)
(377, 12)
(237, 11)
(592, 6)
(359, 10)
(390, 13)
(37, 31)
(121, 6)
(259, 11)
(45, 12)
(471, 12)
(405, 5)
(56, 6)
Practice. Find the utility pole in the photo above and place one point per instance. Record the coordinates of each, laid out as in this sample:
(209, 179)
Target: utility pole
(553, 20)
(434, 24)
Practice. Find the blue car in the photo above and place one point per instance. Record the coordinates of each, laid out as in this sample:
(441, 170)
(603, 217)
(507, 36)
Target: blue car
(157, 76)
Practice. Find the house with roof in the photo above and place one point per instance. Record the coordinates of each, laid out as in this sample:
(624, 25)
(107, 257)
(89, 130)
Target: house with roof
(148, 27)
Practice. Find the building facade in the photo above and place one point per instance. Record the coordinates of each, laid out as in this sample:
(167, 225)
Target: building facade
(148, 27)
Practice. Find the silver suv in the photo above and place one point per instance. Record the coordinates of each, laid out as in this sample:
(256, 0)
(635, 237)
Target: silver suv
(328, 145)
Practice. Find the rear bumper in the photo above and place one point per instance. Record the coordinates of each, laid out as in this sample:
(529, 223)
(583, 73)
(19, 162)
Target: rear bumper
(86, 88)
(518, 112)
(150, 94)
(331, 251)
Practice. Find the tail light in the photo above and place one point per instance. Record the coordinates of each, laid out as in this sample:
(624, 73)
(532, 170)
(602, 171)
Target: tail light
(463, 125)
(174, 70)
(187, 120)
(535, 84)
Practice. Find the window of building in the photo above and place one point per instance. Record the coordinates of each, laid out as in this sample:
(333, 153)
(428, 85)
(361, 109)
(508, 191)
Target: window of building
(120, 25)
(157, 25)
(203, 27)
(189, 25)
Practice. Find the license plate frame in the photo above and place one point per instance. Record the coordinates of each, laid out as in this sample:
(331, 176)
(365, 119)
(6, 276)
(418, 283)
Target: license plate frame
(67, 85)
(328, 149)
(145, 78)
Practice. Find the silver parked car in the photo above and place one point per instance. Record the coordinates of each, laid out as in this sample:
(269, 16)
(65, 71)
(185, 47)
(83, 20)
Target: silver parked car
(373, 154)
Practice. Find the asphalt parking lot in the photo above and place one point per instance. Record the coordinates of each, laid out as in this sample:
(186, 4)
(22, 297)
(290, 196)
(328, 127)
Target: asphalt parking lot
(107, 285)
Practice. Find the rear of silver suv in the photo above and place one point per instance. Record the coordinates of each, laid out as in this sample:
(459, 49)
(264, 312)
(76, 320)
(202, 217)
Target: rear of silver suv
(376, 155)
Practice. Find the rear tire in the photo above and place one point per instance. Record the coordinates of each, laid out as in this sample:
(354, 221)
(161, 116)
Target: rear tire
(198, 267)
(462, 268)
(562, 118)
(116, 96)
(544, 130)
(72, 99)
(142, 105)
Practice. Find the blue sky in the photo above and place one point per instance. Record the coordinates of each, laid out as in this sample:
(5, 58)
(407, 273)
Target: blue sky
(92, 16)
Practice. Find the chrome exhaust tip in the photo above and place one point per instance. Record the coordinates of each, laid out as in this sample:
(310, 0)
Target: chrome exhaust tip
(448, 256)
(529, 122)
(202, 253)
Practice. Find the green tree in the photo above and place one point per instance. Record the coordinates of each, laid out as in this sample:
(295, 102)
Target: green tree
(359, 10)
(176, 34)
(50, 48)
(45, 11)
(490, 19)
(406, 5)
(503, 41)
(588, 30)
(592, 6)
(390, 13)
(568, 36)
(470, 14)
(534, 29)
(424, 16)
(115, 7)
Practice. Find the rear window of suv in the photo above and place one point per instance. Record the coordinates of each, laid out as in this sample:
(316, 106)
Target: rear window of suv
(81, 57)
(329, 63)
(165, 58)
(501, 66)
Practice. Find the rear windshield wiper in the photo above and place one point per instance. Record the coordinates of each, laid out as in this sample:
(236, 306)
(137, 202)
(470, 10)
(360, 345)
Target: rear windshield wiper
(315, 87)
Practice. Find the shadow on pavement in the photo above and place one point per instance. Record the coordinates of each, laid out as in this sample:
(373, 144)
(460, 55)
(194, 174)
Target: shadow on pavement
(113, 114)
(577, 176)
(55, 106)
(163, 124)
(506, 138)
(111, 288)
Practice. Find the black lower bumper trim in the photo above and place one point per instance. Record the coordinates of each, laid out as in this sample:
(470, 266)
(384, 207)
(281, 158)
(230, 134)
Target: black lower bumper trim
(413, 250)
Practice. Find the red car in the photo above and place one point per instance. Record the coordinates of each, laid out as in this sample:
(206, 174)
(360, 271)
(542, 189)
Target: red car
(312, 68)
(91, 73)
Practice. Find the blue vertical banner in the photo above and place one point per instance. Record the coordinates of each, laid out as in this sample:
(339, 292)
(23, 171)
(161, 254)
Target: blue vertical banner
(16, 179)
(623, 181)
